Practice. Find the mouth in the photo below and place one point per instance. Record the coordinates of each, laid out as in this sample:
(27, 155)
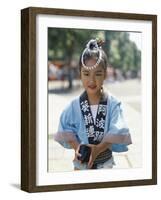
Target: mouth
(92, 87)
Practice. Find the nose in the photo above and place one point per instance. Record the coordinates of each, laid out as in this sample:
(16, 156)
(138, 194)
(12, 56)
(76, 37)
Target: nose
(91, 79)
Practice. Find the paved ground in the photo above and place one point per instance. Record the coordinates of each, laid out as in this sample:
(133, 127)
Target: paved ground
(129, 92)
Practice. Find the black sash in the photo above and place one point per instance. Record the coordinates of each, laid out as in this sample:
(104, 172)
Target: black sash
(95, 131)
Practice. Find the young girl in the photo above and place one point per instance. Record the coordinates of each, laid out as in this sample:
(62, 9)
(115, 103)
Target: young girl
(95, 118)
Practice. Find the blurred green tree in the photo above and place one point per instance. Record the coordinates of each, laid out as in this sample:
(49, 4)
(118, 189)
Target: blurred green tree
(122, 52)
(65, 44)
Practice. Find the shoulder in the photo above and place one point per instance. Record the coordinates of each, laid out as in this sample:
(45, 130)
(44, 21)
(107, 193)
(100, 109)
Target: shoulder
(75, 101)
(74, 104)
(71, 107)
(112, 100)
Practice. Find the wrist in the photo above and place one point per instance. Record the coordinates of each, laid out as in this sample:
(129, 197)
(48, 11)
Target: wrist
(98, 149)
(102, 146)
(74, 145)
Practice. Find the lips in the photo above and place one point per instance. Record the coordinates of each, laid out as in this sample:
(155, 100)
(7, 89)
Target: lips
(92, 87)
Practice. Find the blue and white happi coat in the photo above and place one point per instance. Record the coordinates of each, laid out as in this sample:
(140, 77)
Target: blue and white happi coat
(76, 125)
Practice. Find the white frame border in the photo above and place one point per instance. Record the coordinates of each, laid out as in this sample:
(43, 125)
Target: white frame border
(42, 23)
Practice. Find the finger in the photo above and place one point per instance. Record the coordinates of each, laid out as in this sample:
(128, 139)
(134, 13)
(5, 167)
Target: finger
(76, 159)
(90, 162)
(90, 145)
(77, 156)
(77, 153)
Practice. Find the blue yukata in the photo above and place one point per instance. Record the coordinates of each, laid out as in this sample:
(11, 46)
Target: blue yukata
(72, 126)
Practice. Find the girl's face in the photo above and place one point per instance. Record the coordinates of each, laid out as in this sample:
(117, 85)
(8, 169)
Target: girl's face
(93, 79)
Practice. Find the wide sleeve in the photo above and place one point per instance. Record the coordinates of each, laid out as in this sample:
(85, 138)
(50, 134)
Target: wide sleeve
(118, 132)
(67, 128)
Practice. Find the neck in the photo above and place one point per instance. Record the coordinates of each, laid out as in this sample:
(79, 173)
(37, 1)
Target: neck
(94, 99)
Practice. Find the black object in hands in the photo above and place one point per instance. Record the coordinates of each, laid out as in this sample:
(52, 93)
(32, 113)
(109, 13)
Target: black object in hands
(85, 152)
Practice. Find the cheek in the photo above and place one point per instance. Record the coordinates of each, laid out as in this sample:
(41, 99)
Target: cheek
(100, 80)
(84, 81)
(100, 83)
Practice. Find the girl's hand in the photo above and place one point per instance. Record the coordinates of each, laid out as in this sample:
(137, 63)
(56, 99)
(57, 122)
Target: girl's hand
(77, 154)
(75, 145)
(96, 150)
(94, 153)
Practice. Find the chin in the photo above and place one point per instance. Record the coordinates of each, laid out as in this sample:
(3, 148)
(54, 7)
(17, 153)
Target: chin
(92, 91)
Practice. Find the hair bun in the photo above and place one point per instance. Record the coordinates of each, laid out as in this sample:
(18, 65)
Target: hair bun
(93, 50)
(94, 44)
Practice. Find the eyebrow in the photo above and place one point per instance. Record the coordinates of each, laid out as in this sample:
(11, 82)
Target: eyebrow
(98, 71)
(85, 71)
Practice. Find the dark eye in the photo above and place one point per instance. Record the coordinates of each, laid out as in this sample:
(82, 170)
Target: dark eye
(85, 74)
(98, 74)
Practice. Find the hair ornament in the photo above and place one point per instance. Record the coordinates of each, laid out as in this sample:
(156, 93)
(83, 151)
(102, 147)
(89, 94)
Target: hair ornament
(93, 46)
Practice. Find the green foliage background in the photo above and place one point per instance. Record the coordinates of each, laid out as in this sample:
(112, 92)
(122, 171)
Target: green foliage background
(67, 44)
